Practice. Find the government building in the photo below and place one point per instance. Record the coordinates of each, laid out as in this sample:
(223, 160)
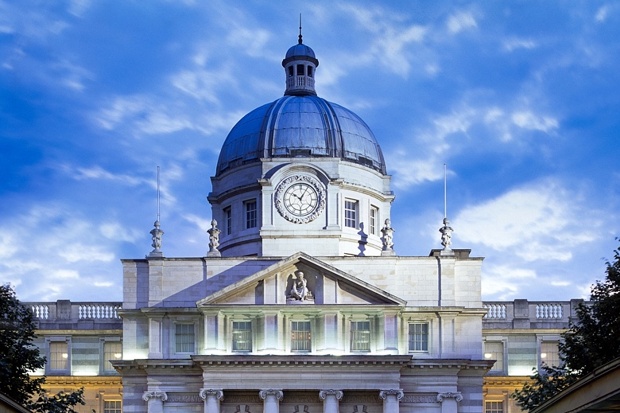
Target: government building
(301, 303)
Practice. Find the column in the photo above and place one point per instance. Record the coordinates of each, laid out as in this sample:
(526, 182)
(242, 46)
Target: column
(272, 399)
(449, 401)
(212, 398)
(330, 400)
(155, 400)
(391, 399)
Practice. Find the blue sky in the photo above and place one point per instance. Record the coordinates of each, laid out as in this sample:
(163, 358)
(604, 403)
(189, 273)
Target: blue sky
(520, 99)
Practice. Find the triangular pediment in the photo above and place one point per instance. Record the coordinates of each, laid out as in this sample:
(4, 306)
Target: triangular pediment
(319, 283)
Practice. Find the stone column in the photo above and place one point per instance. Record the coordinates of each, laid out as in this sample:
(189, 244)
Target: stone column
(272, 399)
(391, 399)
(330, 400)
(155, 400)
(212, 398)
(449, 401)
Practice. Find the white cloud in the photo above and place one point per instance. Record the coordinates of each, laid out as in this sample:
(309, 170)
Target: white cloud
(601, 14)
(539, 221)
(515, 43)
(118, 232)
(504, 281)
(461, 21)
(528, 120)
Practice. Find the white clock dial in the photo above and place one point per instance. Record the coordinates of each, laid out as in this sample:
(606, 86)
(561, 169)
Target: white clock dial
(300, 198)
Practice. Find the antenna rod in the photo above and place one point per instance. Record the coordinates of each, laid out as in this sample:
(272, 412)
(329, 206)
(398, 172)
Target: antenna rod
(445, 192)
(300, 41)
(158, 192)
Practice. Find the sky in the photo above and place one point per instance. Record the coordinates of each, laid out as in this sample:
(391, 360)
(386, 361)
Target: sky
(520, 100)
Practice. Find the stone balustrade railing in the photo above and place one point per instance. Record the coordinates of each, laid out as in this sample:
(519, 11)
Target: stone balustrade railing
(530, 314)
(65, 310)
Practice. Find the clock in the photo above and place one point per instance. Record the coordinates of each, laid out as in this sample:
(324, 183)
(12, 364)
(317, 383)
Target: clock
(300, 198)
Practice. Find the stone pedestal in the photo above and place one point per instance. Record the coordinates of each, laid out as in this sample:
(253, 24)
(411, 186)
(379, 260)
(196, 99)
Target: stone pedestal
(330, 400)
(212, 398)
(272, 399)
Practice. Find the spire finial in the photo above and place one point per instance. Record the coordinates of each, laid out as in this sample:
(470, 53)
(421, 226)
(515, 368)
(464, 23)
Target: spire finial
(300, 37)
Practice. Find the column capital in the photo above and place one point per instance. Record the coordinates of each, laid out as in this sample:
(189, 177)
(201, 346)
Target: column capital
(324, 393)
(217, 393)
(449, 395)
(147, 395)
(271, 392)
(398, 393)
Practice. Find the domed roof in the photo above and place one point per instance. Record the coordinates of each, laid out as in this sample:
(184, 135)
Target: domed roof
(300, 124)
(295, 126)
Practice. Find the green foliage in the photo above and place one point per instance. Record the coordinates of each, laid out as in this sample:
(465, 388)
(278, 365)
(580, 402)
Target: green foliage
(19, 358)
(589, 343)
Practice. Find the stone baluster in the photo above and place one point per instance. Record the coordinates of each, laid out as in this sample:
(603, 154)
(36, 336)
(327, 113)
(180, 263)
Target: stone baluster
(330, 400)
(391, 399)
(212, 398)
(272, 399)
(155, 400)
(449, 401)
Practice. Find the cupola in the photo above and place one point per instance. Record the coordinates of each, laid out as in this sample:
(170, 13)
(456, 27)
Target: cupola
(300, 65)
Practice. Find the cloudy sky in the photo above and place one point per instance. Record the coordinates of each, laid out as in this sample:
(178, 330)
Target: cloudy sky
(521, 100)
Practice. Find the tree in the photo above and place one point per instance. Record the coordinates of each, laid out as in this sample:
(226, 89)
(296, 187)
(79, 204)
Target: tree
(590, 342)
(19, 357)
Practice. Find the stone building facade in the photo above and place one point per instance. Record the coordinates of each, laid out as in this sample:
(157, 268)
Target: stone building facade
(301, 303)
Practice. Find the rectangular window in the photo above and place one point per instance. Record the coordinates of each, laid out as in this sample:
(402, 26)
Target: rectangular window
(300, 70)
(184, 335)
(418, 337)
(59, 356)
(251, 214)
(550, 354)
(112, 350)
(227, 220)
(112, 406)
(301, 339)
(309, 71)
(360, 335)
(494, 350)
(350, 213)
(373, 220)
(494, 407)
(242, 336)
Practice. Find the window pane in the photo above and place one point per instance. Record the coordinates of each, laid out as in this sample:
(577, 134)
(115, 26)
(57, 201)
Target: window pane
(301, 336)
(374, 215)
(112, 350)
(228, 220)
(549, 353)
(184, 338)
(250, 214)
(350, 214)
(59, 355)
(494, 407)
(242, 336)
(418, 337)
(112, 406)
(494, 350)
(360, 336)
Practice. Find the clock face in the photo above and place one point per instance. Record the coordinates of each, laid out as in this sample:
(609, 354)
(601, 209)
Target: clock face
(300, 198)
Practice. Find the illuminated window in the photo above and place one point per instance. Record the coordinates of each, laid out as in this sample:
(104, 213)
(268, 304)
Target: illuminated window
(227, 220)
(301, 338)
(251, 214)
(550, 354)
(373, 220)
(360, 335)
(59, 356)
(184, 335)
(112, 406)
(242, 336)
(112, 350)
(494, 407)
(494, 350)
(350, 213)
(418, 337)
